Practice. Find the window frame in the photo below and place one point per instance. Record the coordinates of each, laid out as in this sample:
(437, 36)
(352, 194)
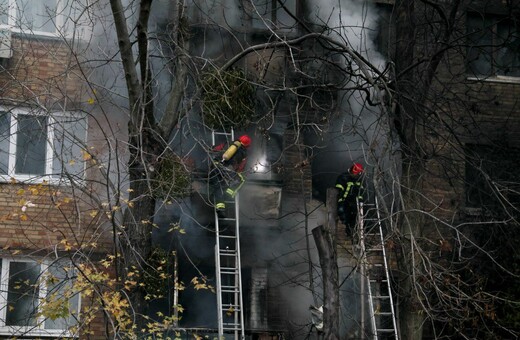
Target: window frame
(39, 329)
(12, 18)
(48, 175)
(482, 186)
(495, 20)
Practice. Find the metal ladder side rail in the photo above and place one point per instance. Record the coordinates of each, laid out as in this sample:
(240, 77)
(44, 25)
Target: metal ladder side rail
(387, 273)
(233, 291)
(377, 251)
(364, 267)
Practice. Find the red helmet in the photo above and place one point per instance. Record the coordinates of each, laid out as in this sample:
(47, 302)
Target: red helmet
(245, 140)
(356, 169)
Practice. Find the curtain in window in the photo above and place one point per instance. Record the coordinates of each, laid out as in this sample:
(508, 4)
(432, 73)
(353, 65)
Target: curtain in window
(4, 12)
(22, 295)
(4, 142)
(60, 284)
(36, 15)
(69, 136)
(31, 145)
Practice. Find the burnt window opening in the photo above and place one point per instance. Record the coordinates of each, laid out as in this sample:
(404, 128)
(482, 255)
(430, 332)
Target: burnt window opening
(493, 45)
(385, 30)
(492, 178)
(267, 14)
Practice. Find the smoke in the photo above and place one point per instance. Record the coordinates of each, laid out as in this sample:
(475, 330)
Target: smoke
(277, 241)
(360, 131)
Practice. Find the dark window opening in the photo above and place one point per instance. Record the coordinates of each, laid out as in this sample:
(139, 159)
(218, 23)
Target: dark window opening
(492, 178)
(493, 45)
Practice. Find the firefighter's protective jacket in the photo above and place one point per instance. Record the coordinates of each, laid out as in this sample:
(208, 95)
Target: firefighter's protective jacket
(349, 187)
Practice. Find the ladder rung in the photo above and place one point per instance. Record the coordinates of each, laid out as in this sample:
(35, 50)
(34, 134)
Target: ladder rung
(223, 269)
(226, 236)
(228, 252)
(227, 219)
(380, 297)
(229, 306)
(384, 313)
(233, 291)
(385, 330)
(229, 286)
(378, 281)
(234, 310)
(231, 326)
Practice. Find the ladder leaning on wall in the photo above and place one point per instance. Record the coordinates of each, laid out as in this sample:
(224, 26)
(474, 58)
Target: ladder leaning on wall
(375, 272)
(227, 263)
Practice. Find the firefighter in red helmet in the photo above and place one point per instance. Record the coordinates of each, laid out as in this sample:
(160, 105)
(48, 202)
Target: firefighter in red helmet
(349, 187)
(226, 176)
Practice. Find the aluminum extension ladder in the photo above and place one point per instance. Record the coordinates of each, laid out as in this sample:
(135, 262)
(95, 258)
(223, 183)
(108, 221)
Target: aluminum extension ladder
(227, 264)
(383, 320)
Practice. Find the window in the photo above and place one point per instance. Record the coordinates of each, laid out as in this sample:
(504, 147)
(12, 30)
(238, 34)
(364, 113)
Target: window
(45, 17)
(492, 178)
(25, 283)
(41, 146)
(270, 14)
(35, 16)
(493, 46)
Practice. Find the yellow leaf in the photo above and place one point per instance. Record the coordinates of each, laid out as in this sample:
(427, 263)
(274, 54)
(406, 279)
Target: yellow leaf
(93, 213)
(91, 101)
(86, 155)
(23, 217)
(20, 192)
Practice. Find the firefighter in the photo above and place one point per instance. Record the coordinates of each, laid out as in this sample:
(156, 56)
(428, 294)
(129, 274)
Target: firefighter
(226, 176)
(349, 187)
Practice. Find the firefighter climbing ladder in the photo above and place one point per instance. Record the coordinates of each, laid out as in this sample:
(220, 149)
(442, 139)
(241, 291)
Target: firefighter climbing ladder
(227, 264)
(375, 271)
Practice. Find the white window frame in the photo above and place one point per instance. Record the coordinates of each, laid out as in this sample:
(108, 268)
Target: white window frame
(13, 11)
(63, 27)
(49, 156)
(39, 329)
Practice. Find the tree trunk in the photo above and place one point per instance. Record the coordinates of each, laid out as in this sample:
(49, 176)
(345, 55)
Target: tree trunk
(136, 238)
(326, 245)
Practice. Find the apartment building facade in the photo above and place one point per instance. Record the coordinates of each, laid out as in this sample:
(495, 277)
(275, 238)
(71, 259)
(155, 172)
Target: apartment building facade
(49, 169)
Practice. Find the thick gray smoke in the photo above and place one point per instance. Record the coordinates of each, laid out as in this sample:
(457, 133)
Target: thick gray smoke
(279, 243)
